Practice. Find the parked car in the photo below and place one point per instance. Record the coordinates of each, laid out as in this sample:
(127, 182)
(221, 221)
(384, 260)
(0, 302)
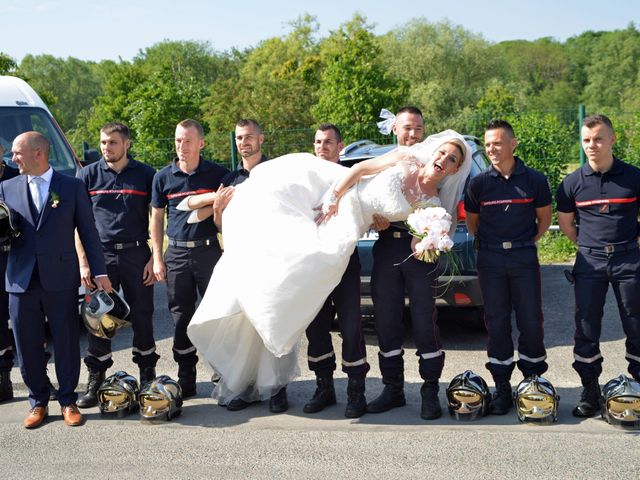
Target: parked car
(22, 110)
(458, 287)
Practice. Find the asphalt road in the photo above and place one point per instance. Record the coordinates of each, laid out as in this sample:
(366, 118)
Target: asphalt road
(209, 442)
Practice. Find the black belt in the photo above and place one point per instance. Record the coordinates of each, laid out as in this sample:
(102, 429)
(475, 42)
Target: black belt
(610, 249)
(191, 243)
(124, 246)
(506, 245)
(395, 233)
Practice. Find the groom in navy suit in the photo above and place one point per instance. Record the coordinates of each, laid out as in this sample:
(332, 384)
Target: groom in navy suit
(43, 274)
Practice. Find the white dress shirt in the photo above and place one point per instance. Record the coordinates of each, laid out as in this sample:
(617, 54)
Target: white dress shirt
(43, 187)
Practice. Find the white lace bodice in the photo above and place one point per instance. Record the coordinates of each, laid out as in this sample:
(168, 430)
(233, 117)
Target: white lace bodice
(393, 193)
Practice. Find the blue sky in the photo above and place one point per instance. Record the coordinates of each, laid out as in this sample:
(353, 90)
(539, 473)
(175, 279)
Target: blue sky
(109, 29)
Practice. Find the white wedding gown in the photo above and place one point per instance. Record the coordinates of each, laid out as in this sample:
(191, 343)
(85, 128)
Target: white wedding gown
(278, 266)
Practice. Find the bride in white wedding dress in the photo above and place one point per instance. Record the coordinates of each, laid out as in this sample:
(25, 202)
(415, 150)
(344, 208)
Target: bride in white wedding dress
(280, 264)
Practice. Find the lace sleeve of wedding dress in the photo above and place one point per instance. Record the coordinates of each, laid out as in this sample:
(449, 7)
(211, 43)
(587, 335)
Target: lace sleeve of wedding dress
(411, 187)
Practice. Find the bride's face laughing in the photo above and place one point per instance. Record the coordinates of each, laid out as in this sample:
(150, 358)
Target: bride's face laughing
(446, 160)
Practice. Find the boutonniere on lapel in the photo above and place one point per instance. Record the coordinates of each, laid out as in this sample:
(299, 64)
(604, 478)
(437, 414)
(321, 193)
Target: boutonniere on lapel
(55, 199)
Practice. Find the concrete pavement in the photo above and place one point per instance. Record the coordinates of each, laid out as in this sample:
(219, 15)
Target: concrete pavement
(209, 442)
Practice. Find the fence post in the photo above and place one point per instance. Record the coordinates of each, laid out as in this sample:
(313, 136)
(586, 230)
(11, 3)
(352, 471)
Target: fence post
(234, 152)
(581, 115)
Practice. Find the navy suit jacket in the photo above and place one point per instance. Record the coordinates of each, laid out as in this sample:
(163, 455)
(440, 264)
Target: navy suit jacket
(49, 239)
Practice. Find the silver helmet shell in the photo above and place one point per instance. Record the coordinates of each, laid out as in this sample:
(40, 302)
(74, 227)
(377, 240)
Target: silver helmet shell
(536, 401)
(622, 402)
(468, 396)
(161, 399)
(118, 393)
(104, 313)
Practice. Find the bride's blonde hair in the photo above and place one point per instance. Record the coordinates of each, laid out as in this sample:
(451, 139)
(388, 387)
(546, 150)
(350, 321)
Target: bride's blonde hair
(461, 146)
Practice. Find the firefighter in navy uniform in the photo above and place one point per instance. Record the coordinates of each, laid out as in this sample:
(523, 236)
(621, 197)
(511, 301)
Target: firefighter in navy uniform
(601, 197)
(6, 349)
(345, 298)
(193, 249)
(395, 273)
(120, 192)
(508, 209)
(249, 139)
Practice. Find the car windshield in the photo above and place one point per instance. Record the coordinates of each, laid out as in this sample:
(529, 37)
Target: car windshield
(16, 120)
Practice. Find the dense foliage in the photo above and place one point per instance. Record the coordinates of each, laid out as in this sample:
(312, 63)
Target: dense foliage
(293, 82)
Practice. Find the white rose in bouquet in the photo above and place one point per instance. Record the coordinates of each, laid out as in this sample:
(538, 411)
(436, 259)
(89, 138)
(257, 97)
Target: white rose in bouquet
(431, 226)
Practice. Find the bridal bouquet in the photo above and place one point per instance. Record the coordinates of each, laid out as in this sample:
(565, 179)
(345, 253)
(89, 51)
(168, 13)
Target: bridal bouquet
(431, 225)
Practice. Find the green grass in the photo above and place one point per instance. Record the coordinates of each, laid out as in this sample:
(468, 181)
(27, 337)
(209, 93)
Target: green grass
(554, 247)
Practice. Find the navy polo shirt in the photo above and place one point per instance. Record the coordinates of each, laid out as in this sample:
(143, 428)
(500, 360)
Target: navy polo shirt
(239, 175)
(120, 200)
(605, 204)
(171, 185)
(507, 206)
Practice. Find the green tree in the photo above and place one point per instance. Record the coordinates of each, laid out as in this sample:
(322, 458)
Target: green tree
(276, 84)
(158, 104)
(579, 55)
(447, 67)
(546, 142)
(613, 75)
(535, 65)
(355, 84)
(497, 101)
(184, 58)
(164, 84)
(8, 65)
(121, 80)
(69, 86)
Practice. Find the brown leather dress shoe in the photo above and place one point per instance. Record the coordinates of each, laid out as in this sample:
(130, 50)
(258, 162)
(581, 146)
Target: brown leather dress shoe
(36, 416)
(72, 415)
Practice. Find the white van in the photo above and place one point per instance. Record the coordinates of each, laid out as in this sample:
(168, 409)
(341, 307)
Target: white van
(22, 110)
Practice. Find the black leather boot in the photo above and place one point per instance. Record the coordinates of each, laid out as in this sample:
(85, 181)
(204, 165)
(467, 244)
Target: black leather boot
(90, 397)
(356, 401)
(147, 375)
(590, 403)
(502, 399)
(392, 395)
(324, 395)
(431, 408)
(278, 403)
(187, 380)
(6, 387)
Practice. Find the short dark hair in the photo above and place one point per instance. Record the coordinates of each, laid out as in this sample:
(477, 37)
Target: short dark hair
(116, 127)
(249, 122)
(409, 109)
(497, 123)
(599, 119)
(191, 123)
(323, 127)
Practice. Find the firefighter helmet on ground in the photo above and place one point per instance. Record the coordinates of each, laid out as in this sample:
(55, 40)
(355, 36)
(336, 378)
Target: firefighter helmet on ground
(468, 396)
(536, 400)
(161, 399)
(622, 402)
(118, 393)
